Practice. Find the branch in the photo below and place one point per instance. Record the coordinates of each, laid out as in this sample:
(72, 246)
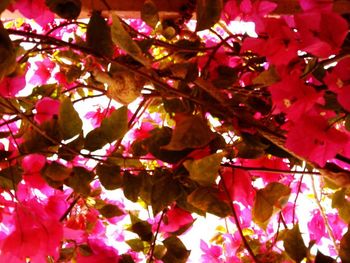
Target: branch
(153, 245)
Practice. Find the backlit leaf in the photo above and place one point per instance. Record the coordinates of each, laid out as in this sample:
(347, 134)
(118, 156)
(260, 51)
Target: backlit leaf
(110, 210)
(294, 244)
(190, 132)
(320, 258)
(67, 9)
(143, 229)
(207, 200)
(165, 190)
(132, 185)
(176, 251)
(80, 179)
(10, 177)
(98, 35)
(112, 128)
(121, 38)
(149, 13)
(208, 13)
(204, 171)
(269, 200)
(109, 176)
(69, 121)
(344, 252)
(56, 171)
(340, 202)
(136, 244)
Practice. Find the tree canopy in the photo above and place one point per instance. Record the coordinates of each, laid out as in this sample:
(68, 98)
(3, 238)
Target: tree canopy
(117, 134)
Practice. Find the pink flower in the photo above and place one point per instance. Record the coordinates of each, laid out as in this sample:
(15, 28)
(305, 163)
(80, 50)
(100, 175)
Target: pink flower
(292, 96)
(338, 81)
(43, 72)
(312, 137)
(101, 252)
(32, 164)
(317, 228)
(10, 86)
(279, 46)
(31, 220)
(46, 108)
(321, 33)
(175, 219)
(239, 185)
(36, 10)
(248, 11)
(211, 254)
(97, 116)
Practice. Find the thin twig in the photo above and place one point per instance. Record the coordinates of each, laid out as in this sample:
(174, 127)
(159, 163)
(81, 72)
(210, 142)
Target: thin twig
(324, 216)
(153, 245)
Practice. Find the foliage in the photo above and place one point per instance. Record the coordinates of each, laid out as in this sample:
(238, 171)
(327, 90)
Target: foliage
(144, 127)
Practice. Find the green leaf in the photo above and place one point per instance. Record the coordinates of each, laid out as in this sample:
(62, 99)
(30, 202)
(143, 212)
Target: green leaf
(268, 201)
(320, 258)
(67, 9)
(340, 202)
(208, 13)
(176, 251)
(132, 186)
(109, 176)
(3, 5)
(76, 145)
(155, 145)
(98, 35)
(267, 77)
(136, 244)
(110, 210)
(190, 132)
(207, 199)
(344, 251)
(56, 171)
(7, 52)
(10, 177)
(69, 121)
(294, 244)
(347, 122)
(204, 171)
(80, 179)
(112, 128)
(85, 250)
(149, 13)
(126, 258)
(121, 38)
(165, 191)
(144, 230)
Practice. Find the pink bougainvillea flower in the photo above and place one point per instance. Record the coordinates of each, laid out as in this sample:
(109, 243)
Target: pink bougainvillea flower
(279, 46)
(312, 137)
(338, 81)
(211, 253)
(43, 72)
(101, 252)
(267, 162)
(31, 220)
(97, 116)
(292, 96)
(316, 5)
(321, 33)
(36, 10)
(33, 163)
(175, 219)
(46, 108)
(248, 11)
(316, 227)
(10, 86)
(239, 185)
